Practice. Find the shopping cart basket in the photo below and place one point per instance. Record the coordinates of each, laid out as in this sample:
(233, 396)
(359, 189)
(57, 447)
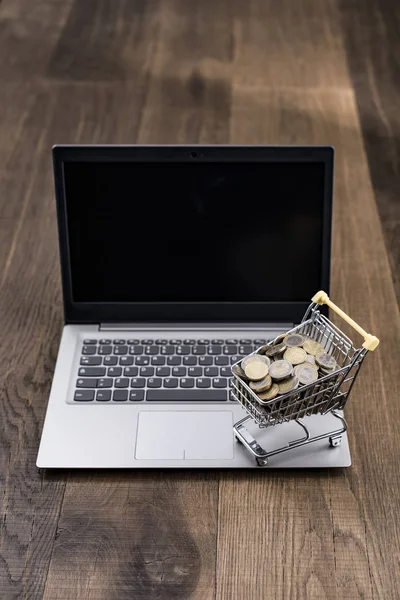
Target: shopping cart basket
(328, 394)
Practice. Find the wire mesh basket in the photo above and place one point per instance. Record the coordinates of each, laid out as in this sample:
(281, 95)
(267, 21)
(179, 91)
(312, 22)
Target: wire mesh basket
(329, 393)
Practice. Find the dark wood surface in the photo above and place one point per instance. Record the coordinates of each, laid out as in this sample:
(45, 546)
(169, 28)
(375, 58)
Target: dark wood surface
(216, 71)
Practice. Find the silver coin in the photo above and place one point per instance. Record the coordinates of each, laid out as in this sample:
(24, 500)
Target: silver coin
(326, 361)
(260, 357)
(280, 369)
(293, 339)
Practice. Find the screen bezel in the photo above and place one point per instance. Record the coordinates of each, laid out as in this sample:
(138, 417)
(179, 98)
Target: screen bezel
(126, 312)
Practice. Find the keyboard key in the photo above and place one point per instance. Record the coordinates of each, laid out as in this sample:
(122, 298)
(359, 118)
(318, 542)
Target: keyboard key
(214, 350)
(147, 342)
(103, 395)
(163, 371)
(221, 360)
(189, 342)
(211, 372)
(245, 341)
(105, 349)
(154, 382)
(158, 361)
(187, 382)
(203, 383)
(89, 350)
(189, 361)
(121, 382)
(86, 383)
(174, 361)
(110, 360)
(175, 342)
(122, 349)
(131, 371)
(220, 382)
(126, 361)
(91, 360)
(198, 350)
(104, 343)
(230, 349)
(136, 350)
(133, 342)
(179, 371)
(231, 341)
(120, 395)
(84, 396)
(142, 360)
(205, 361)
(232, 397)
(92, 371)
(195, 371)
(259, 342)
(136, 396)
(170, 382)
(203, 342)
(152, 350)
(183, 350)
(235, 359)
(167, 349)
(105, 382)
(138, 382)
(146, 371)
(218, 342)
(186, 395)
(244, 350)
(161, 342)
(225, 372)
(114, 372)
(90, 341)
(119, 342)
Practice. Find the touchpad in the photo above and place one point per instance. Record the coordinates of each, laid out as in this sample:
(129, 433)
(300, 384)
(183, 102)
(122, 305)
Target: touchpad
(184, 435)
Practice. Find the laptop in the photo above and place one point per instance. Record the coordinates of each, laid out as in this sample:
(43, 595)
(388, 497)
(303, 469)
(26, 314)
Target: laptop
(175, 262)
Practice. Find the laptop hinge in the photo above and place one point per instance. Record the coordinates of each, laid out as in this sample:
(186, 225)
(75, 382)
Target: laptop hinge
(193, 326)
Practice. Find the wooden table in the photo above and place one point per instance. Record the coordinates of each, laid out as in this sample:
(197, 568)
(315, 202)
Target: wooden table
(220, 71)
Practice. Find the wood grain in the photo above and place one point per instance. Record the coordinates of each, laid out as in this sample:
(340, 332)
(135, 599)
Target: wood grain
(121, 71)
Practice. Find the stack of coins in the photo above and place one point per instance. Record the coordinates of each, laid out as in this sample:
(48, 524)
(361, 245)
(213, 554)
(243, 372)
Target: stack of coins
(290, 361)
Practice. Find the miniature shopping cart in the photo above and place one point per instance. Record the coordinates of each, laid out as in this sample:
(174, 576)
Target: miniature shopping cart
(328, 394)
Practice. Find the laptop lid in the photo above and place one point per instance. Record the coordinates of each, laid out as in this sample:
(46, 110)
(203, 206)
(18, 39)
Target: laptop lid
(192, 233)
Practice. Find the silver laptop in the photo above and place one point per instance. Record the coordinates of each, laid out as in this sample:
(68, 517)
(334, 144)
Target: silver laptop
(175, 262)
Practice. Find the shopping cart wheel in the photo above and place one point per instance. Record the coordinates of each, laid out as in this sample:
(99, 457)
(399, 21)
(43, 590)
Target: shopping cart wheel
(335, 440)
(262, 462)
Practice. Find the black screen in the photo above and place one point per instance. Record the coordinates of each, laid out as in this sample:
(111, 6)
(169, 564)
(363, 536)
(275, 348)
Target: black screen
(194, 231)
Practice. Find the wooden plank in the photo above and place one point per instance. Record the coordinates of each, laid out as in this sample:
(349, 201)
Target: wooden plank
(340, 516)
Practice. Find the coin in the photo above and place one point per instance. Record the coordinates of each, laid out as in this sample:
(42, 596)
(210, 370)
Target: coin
(311, 359)
(293, 339)
(326, 361)
(306, 373)
(237, 370)
(256, 370)
(280, 369)
(279, 338)
(312, 347)
(274, 350)
(288, 384)
(261, 386)
(254, 357)
(295, 355)
(271, 393)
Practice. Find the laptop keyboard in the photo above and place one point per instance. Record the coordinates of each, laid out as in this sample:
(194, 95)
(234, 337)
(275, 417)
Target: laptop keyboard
(140, 370)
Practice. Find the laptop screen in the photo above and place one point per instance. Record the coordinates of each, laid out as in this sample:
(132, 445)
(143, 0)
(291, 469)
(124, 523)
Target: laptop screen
(194, 231)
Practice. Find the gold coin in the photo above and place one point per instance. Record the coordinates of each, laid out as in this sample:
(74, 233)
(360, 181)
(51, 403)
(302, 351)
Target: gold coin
(306, 373)
(295, 355)
(261, 386)
(293, 339)
(279, 338)
(271, 393)
(326, 361)
(238, 371)
(311, 359)
(256, 370)
(280, 369)
(274, 350)
(312, 347)
(254, 358)
(288, 384)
